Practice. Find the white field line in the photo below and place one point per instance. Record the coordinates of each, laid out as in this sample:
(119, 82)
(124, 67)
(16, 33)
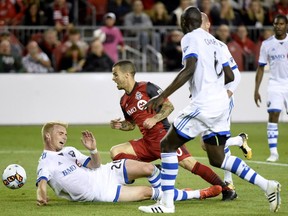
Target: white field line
(106, 153)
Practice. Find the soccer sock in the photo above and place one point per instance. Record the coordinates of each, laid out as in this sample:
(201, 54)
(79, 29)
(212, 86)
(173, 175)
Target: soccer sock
(169, 171)
(155, 178)
(234, 141)
(207, 174)
(272, 134)
(125, 156)
(180, 195)
(156, 194)
(240, 168)
(227, 174)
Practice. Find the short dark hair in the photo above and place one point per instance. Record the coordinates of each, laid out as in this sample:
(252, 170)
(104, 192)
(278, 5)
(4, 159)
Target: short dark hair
(281, 16)
(193, 15)
(126, 66)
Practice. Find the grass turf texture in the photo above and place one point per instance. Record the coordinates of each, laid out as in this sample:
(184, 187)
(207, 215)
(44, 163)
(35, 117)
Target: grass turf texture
(23, 145)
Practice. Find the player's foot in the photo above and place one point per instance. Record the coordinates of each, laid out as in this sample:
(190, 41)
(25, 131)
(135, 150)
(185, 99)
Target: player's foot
(228, 192)
(273, 195)
(273, 158)
(157, 208)
(247, 151)
(212, 191)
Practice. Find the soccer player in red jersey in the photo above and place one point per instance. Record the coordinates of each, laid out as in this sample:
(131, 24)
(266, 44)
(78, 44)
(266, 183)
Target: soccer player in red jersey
(153, 126)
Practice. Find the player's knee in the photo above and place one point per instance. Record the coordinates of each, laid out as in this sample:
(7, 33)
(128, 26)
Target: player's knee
(216, 140)
(113, 152)
(148, 168)
(166, 146)
(215, 162)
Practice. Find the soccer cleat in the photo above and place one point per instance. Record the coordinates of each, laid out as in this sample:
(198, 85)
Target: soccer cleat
(158, 166)
(273, 195)
(212, 191)
(247, 151)
(228, 192)
(273, 158)
(157, 208)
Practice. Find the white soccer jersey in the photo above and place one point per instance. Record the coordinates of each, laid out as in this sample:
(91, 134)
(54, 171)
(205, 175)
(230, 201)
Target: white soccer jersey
(67, 175)
(208, 110)
(237, 76)
(207, 83)
(275, 52)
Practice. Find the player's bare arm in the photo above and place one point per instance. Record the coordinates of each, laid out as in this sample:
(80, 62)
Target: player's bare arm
(89, 141)
(166, 109)
(229, 75)
(183, 76)
(258, 80)
(122, 125)
(42, 193)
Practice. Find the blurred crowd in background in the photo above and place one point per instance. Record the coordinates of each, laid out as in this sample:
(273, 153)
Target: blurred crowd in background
(38, 36)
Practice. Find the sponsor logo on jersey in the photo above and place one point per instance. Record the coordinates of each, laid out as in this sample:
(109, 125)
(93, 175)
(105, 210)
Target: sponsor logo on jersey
(141, 104)
(138, 95)
(277, 57)
(69, 170)
(131, 110)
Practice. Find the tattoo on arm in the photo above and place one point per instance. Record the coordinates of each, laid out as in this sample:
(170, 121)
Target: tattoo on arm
(127, 126)
(166, 109)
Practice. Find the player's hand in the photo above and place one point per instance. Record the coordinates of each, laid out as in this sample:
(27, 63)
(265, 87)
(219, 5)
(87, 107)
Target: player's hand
(230, 93)
(149, 123)
(154, 103)
(257, 98)
(116, 123)
(42, 201)
(88, 140)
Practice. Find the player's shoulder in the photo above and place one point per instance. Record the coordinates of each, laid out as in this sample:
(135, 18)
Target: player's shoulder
(69, 149)
(221, 43)
(269, 40)
(142, 83)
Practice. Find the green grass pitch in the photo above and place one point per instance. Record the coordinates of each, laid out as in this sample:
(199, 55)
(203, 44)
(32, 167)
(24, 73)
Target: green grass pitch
(23, 145)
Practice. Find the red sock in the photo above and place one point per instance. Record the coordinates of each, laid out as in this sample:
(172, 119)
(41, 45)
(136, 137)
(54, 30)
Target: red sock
(207, 174)
(125, 156)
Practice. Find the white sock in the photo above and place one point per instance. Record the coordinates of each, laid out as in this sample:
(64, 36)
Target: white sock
(234, 141)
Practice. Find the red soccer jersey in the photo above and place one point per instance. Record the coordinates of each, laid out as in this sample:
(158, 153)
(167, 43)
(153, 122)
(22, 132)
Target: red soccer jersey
(133, 107)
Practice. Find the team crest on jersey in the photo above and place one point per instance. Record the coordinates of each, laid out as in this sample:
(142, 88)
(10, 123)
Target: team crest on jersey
(138, 95)
(71, 153)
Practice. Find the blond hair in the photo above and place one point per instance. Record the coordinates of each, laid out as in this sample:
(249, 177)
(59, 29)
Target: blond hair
(47, 127)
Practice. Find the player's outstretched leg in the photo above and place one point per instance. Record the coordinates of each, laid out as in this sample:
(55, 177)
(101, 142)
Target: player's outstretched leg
(242, 141)
(270, 187)
(180, 195)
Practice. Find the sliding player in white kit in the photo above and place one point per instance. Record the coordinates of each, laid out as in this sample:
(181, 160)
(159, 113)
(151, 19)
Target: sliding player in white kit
(274, 52)
(77, 177)
(207, 114)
